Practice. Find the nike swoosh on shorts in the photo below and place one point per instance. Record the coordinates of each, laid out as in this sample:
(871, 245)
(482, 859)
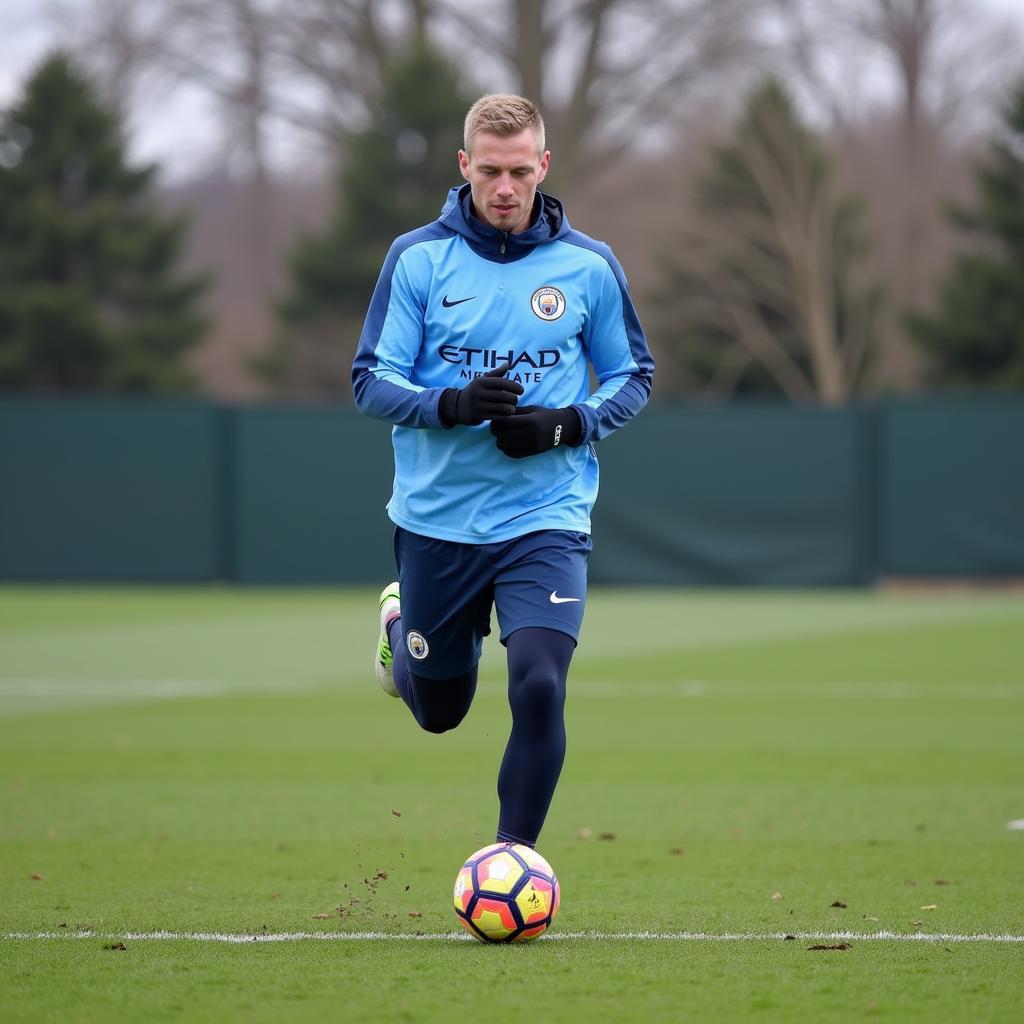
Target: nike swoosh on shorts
(555, 599)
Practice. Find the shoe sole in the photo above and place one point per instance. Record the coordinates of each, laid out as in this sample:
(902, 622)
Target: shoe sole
(385, 678)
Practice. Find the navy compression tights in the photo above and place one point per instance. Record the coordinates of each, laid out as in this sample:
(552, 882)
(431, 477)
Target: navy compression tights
(538, 663)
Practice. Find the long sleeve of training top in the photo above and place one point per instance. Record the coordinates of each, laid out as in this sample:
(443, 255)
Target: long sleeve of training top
(389, 345)
(455, 299)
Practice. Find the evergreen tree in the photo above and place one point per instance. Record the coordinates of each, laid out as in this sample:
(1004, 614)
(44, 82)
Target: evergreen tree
(395, 178)
(90, 295)
(976, 336)
(764, 291)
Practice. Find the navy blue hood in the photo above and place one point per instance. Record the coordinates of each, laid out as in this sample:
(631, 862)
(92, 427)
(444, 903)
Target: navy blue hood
(547, 223)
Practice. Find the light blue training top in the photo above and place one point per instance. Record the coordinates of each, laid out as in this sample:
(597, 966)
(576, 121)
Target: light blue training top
(456, 298)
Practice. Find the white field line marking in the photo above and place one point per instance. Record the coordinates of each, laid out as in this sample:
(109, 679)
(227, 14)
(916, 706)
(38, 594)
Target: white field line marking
(55, 696)
(37, 696)
(26, 696)
(726, 623)
(696, 689)
(52, 688)
(156, 688)
(229, 937)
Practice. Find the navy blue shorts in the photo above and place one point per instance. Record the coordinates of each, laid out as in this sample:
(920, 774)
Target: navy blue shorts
(448, 589)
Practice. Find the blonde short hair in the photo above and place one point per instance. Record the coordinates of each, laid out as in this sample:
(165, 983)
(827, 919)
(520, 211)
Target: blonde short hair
(503, 114)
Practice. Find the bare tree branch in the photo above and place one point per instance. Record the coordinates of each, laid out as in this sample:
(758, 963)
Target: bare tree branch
(605, 71)
(770, 244)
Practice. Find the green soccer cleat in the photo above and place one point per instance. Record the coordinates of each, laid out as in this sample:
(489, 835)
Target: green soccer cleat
(390, 608)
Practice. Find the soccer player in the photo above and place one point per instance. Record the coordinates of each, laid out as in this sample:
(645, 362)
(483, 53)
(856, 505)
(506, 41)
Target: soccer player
(476, 347)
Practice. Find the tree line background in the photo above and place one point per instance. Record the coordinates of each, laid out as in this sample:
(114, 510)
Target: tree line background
(812, 198)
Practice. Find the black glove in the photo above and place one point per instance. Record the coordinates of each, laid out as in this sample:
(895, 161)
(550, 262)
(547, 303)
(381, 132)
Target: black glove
(483, 398)
(534, 429)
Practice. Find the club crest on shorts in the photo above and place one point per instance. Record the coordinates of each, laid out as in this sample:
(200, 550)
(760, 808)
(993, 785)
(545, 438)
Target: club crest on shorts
(548, 303)
(417, 644)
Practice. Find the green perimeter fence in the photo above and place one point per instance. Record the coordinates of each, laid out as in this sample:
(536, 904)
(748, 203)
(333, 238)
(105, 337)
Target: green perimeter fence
(104, 490)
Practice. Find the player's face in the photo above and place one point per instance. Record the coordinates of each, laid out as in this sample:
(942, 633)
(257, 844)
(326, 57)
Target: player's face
(504, 172)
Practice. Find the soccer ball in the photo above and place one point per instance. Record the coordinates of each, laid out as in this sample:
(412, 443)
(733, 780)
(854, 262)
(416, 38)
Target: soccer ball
(506, 892)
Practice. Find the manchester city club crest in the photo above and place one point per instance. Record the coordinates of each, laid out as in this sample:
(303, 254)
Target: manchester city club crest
(417, 644)
(548, 303)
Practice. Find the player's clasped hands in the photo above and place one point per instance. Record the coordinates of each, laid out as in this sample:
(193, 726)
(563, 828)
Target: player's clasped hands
(519, 431)
(486, 397)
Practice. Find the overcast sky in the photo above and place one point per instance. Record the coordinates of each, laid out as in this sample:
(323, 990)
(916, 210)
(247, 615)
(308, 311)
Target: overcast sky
(181, 131)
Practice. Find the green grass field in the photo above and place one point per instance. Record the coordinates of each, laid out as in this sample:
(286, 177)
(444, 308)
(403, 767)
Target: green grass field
(219, 764)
